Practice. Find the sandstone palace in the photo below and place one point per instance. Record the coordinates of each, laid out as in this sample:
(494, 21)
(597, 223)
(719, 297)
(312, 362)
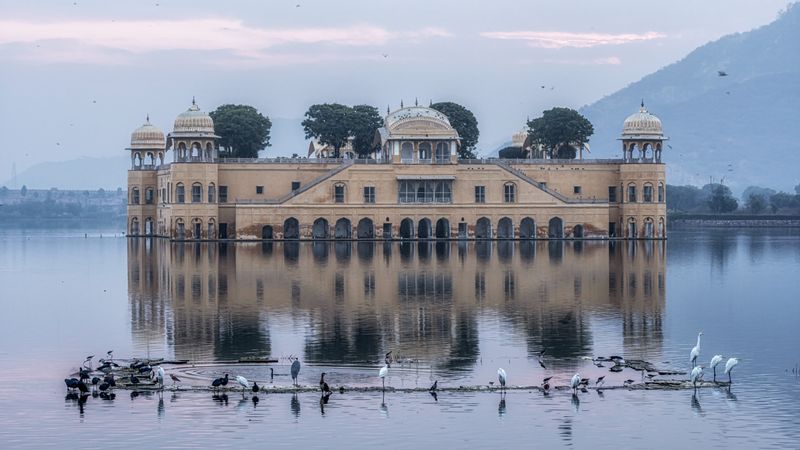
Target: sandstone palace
(413, 187)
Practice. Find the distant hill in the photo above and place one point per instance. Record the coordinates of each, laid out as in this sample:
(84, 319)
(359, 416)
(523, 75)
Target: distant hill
(111, 173)
(741, 126)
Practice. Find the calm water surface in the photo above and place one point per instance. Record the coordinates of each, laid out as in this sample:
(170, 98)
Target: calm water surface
(450, 311)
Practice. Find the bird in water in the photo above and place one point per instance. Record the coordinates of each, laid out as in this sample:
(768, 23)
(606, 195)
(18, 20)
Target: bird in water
(501, 377)
(546, 383)
(341, 389)
(323, 385)
(732, 362)
(382, 374)
(271, 374)
(434, 387)
(89, 361)
(696, 375)
(95, 381)
(714, 363)
(160, 376)
(242, 382)
(72, 383)
(695, 351)
(575, 382)
(256, 388)
(600, 381)
(295, 370)
(175, 378)
(220, 382)
(134, 380)
(388, 359)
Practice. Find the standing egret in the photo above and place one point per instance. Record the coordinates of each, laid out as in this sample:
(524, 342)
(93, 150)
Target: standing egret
(295, 370)
(160, 376)
(714, 362)
(501, 376)
(695, 351)
(242, 382)
(575, 382)
(697, 375)
(382, 373)
(732, 362)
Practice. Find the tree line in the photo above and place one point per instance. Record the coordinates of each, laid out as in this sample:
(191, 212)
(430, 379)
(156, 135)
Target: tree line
(718, 198)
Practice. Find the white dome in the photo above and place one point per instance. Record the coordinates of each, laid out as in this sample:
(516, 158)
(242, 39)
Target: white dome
(518, 139)
(147, 137)
(193, 121)
(642, 123)
(416, 113)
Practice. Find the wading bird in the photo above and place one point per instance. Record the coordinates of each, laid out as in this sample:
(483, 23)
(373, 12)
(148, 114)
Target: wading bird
(600, 381)
(256, 388)
(175, 379)
(695, 351)
(323, 385)
(295, 370)
(732, 362)
(134, 380)
(242, 382)
(575, 382)
(435, 386)
(220, 382)
(160, 376)
(714, 362)
(72, 383)
(388, 359)
(501, 377)
(271, 374)
(546, 383)
(382, 373)
(696, 375)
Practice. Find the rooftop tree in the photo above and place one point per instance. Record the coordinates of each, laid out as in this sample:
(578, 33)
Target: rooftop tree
(242, 129)
(559, 131)
(464, 123)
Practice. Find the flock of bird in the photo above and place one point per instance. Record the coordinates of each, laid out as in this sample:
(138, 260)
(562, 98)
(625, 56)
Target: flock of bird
(157, 375)
(697, 370)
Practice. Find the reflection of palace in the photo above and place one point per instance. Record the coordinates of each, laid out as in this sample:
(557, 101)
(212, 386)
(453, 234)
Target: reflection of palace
(421, 299)
(413, 186)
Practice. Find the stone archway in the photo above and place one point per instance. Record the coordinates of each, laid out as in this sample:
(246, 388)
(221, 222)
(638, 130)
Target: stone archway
(577, 231)
(483, 228)
(407, 229)
(365, 229)
(291, 228)
(320, 229)
(424, 229)
(527, 228)
(555, 228)
(266, 232)
(443, 228)
(343, 229)
(505, 229)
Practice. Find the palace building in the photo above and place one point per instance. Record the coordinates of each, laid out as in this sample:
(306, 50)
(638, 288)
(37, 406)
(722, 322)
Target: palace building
(414, 187)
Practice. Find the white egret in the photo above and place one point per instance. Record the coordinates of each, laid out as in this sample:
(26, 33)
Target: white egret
(575, 382)
(695, 351)
(501, 376)
(382, 373)
(697, 375)
(160, 376)
(714, 363)
(732, 362)
(242, 382)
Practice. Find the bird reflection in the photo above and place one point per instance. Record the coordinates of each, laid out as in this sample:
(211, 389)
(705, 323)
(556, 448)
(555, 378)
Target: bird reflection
(295, 405)
(434, 395)
(501, 407)
(696, 404)
(221, 399)
(255, 401)
(160, 407)
(384, 408)
(82, 402)
(576, 402)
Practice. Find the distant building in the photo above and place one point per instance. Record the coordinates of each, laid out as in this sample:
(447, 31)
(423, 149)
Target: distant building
(413, 188)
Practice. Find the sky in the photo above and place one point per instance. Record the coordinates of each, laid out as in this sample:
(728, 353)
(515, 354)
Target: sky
(79, 76)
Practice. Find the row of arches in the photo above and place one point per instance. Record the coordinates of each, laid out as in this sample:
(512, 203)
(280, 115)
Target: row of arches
(148, 160)
(642, 152)
(648, 229)
(425, 228)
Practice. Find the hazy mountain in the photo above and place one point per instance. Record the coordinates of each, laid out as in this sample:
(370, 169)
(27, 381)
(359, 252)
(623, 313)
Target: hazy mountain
(741, 126)
(111, 173)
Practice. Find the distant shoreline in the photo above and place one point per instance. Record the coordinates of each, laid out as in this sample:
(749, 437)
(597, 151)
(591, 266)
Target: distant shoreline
(734, 220)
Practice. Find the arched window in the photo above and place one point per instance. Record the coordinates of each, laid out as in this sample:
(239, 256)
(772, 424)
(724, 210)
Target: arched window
(135, 226)
(424, 150)
(180, 195)
(212, 191)
(211, 230)
(648, 193)
(149, 196)
(407, 152)
(197, 193)
(660, 192)
(135, 196)
(632, 193)
(509, 193)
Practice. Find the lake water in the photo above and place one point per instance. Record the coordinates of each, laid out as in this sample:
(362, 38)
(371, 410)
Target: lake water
(452, 312)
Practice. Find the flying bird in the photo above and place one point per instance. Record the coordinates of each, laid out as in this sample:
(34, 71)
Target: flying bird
(722, 73)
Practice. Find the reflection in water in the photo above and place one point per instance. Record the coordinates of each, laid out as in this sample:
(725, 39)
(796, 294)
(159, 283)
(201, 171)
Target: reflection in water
(576, 402)
(295, 406)
(501, 407)
(209, 301)
(696, 409)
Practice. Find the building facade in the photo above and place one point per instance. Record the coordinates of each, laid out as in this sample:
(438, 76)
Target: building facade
(414, 187)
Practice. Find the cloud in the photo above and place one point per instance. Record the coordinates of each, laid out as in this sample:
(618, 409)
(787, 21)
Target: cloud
(561, 39)
(228, 35)
(610, 60)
